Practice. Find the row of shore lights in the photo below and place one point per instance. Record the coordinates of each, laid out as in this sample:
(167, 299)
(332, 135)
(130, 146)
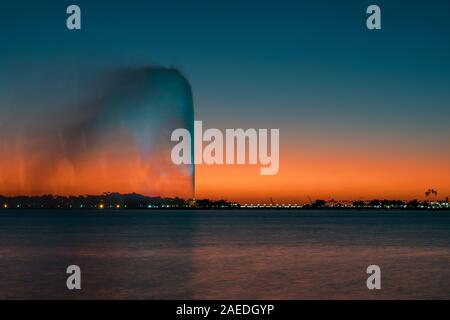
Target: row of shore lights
(271, 205)
(118, 206)
(102, 206)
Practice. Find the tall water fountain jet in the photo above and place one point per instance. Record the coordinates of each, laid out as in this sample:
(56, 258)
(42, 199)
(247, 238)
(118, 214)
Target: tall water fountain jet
(111, 136)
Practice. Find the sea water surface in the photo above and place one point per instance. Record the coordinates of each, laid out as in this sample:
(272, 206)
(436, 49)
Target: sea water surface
(242, 254)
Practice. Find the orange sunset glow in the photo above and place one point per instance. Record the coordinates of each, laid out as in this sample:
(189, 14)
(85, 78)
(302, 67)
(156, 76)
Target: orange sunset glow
(104, 170)
(327, 175)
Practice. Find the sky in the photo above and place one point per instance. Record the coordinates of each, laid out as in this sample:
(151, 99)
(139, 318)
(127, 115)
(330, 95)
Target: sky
(362, 114)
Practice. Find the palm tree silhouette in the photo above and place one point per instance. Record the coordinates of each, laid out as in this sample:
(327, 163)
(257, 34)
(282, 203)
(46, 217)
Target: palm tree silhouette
(433, 194)
(427, 193)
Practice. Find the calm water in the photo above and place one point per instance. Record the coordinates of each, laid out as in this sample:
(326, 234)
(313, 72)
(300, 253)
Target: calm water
(224, 254)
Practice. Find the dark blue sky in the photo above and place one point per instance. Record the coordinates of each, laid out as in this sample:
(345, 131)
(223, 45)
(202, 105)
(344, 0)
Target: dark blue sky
(308, 67)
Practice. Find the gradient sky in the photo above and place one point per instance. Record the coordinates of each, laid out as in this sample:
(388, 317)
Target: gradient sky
(361, 113)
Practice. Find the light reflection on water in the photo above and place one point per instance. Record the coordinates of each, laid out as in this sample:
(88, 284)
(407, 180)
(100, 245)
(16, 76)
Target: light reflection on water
(224, 254)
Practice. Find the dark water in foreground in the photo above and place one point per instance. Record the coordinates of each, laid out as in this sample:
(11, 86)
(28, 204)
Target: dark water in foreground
(225, 254)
